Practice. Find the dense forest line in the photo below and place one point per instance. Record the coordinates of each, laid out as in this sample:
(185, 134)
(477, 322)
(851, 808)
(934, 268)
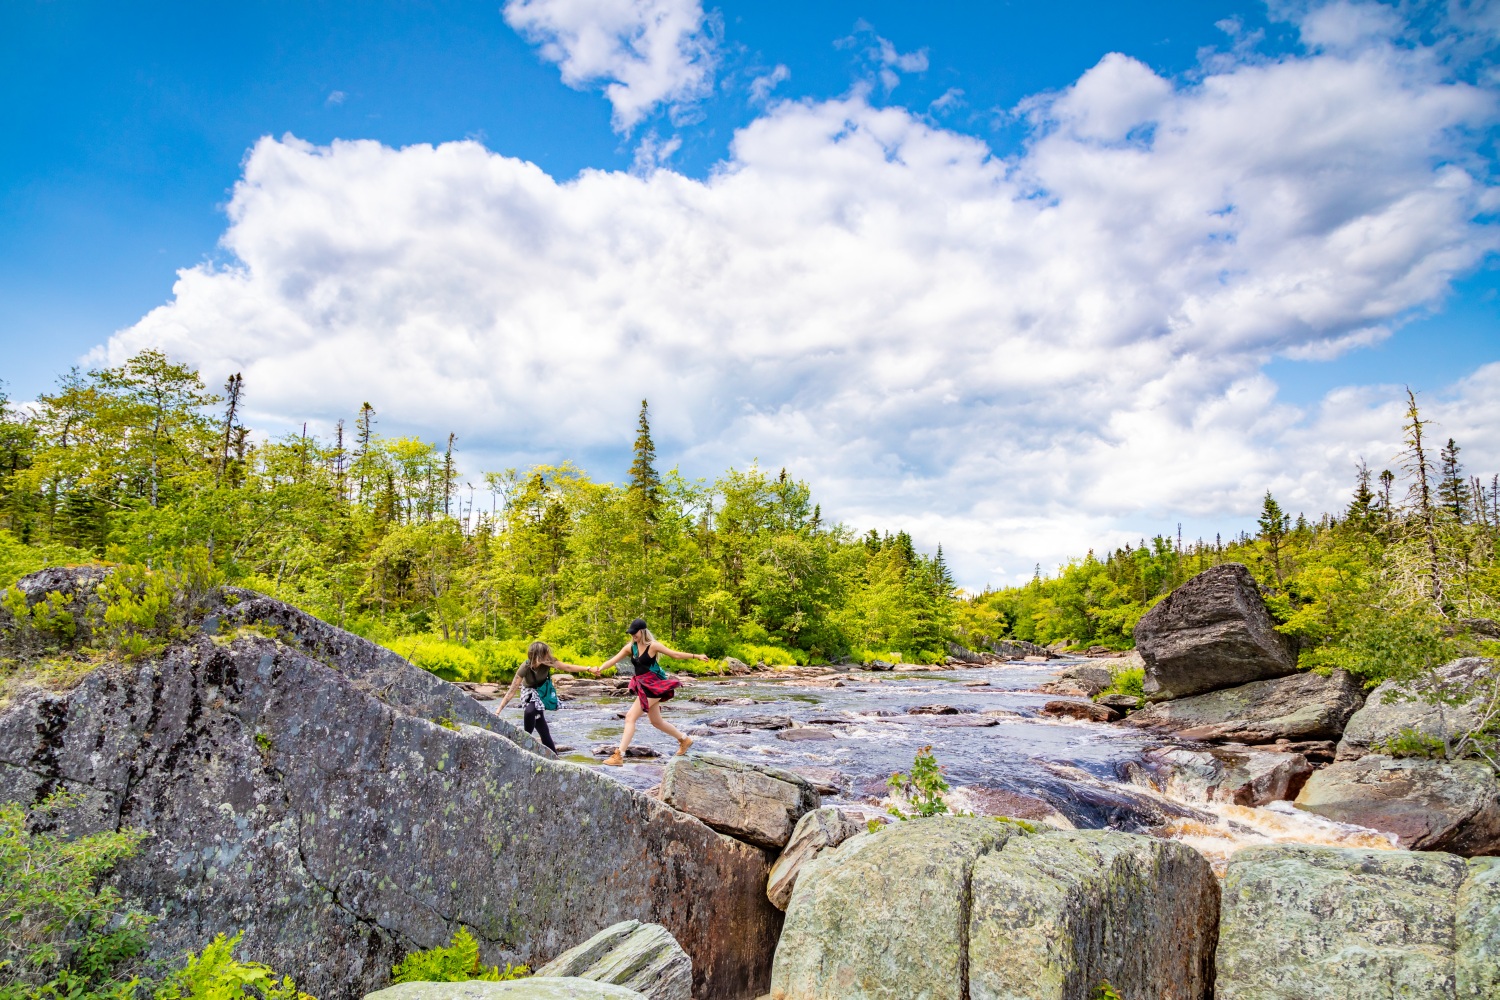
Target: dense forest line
(389, 538)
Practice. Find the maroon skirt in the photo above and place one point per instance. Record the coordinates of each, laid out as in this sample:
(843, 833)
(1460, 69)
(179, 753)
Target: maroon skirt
(645, 686)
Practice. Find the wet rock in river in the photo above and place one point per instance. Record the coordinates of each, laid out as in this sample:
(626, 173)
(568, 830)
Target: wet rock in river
(1430, 805)
(957, 907)
(768, 722)
(805, 734)
(1123, 702)
(1212, 632)
(1084, 710)
(645, 958)
(531, 988)
(825, 780)
(1324, 923)
(298, 789)
(635, 751)
(1302, 706)
(880, 665)
(1239, 776)
(932, 710)
(1085, 679)
(1394, 709)
(816, 832)
(754, 802)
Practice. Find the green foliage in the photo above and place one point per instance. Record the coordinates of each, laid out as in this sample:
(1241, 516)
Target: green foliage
(1104, 991)
(1126, 680)
(216, 974)
(456, 963)
(1019, 824)
(874, 826)
(1411, 743)
(64, 933)
(51, 618)
(138, 617)
(923, 789)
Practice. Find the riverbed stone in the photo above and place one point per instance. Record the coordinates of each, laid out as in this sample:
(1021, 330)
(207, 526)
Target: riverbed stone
(1212, 632)
(954, 907)
(1235, 775)
(531, 988)
(1430, 805)
(1397, 707)
(753, 802)
(343, 807)
(815, 833)
(1303, 706)
(1086, 711)
(1304, 922)
(1055, 916)
(645, 958)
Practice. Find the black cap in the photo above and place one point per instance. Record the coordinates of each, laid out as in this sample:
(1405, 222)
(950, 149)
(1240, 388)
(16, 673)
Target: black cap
(636, 626)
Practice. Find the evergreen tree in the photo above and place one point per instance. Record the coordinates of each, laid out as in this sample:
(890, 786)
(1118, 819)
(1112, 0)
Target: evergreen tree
(1274, 523)
(1361, 513)
(645, 483)
(1453, 487)
(1419, 466)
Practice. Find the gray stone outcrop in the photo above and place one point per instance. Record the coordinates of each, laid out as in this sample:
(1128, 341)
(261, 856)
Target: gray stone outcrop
(960, 907)
(1324, 923)
(815, 833)
(1430, 805)
(1212, 632)
(1304, 706)
(1394, 708)
(640, 957)
(533, 988)
(343, 807)
(753, 802)
(1236, 775)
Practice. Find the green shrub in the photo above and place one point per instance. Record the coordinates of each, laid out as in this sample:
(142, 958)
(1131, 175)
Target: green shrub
(448, 660)
(217, 975)
(457, 963)
(138, 618)
(1127, 680)
(1410, 743)
(923, 789)
(1104, 991)
(65, 934)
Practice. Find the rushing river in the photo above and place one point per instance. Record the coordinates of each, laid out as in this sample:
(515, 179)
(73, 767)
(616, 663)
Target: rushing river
(849, 732)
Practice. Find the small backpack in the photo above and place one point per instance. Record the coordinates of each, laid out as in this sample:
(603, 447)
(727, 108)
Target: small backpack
(548, 694)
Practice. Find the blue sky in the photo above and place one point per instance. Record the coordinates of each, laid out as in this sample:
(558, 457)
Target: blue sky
(127, 131)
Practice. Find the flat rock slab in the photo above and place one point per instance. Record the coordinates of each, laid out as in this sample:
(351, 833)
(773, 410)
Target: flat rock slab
(1430, 805)
(753, 802)
(298, 789)
(956, 907)
(533, 988)
(1212, 632)
(1394, 707)
(1303, 922)
(1297, 707)
(640, 957)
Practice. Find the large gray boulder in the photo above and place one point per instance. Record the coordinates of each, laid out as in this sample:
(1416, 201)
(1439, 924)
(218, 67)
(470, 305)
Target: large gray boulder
(1235, 775)
(815, 833)
(533, 988)
(958, 907)
(1395, 708)
(1430, 805)
(1212, 632)
(641, 957)
(343, 807)
(754, 802)
(1303, 922)
(1297, 707)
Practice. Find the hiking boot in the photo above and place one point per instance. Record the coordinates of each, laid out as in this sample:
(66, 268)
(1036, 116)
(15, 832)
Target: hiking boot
(683, 744)
(614, 760)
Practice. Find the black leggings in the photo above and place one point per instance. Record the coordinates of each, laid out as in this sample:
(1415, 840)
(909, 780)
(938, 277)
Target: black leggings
(535, 719)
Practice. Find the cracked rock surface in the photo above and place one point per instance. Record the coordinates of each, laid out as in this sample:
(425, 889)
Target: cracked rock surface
(298, 788)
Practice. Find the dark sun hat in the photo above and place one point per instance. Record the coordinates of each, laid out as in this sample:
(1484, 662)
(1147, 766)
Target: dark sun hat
(636, 626)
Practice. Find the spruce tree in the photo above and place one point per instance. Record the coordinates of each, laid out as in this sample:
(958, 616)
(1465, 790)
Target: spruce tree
(645, 484)
(1361, 508)
(1453, 487)
(1274, 523)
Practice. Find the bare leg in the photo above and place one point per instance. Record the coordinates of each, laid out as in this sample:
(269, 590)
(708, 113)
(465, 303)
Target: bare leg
(630, 720)
(654, 713)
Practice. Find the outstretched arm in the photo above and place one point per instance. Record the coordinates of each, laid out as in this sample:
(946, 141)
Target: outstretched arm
(574, 668)
(615, 659)
(515, 685)
(662, 650)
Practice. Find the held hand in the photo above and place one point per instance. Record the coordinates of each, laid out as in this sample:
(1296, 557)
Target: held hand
(703, 657)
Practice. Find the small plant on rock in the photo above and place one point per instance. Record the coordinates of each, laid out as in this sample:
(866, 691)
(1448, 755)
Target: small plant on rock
(217, 975)
(923, 789)
(1104, 991)
(457, 963)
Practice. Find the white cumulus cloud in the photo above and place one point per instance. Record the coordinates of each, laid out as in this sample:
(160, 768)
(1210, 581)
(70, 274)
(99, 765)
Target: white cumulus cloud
(1019, 357)
(645, 52)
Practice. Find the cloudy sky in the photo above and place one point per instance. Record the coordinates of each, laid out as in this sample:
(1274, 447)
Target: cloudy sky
(1020, 281)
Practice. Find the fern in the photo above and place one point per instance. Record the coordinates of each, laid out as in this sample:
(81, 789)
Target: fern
(457, 963)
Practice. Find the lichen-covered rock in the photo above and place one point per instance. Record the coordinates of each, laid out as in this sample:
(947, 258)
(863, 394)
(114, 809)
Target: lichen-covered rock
(1303, 922)
(298, 788)
(1394, 708)
(533, 988)
(1430, 805)
(951, 907)
(1212, 632)
(1297, 707)
(1054, 916)
(641, 957)
(816, 832)
(1476, 925)
(754, 802)
(1236, 775)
